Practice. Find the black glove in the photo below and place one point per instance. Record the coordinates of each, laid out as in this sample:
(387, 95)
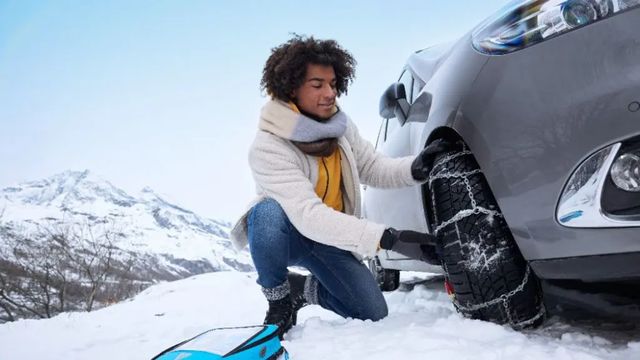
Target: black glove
(391, 237)
(421, 166)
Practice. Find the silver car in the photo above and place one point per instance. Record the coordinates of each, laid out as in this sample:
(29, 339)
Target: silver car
(541, 189)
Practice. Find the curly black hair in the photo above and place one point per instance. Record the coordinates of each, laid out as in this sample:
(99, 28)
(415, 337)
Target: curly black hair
(286, 67)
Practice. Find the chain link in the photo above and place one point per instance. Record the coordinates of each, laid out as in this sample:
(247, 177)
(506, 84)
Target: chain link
(501, 298)
(504, 300)
(466, 213)
(448, 158)
(463, 175)
(470, 191)
(475, 210)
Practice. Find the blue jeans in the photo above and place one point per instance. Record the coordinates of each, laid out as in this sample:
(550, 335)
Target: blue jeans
(344, 284)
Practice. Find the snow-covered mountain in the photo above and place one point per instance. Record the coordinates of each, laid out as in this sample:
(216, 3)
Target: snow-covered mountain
(173, 242)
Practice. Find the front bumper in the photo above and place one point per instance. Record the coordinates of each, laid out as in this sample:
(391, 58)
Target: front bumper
(595, 268)
(532, 116)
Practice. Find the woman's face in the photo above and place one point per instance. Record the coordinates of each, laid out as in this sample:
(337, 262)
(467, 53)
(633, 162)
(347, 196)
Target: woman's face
(317, 94)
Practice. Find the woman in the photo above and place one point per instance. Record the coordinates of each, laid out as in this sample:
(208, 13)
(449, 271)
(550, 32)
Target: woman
(308, 162)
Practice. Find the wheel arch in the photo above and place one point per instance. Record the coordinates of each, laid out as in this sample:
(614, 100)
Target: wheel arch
(459, 130)
(446, 133)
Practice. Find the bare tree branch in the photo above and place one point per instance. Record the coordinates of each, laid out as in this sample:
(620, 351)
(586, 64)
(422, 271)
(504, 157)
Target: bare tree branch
(63, 266)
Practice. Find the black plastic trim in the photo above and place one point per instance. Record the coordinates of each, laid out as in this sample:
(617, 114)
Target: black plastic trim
(616, 201)
(624, 266)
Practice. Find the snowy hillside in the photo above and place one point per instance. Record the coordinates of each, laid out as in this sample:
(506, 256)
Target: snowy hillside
(176, 241)
(422, 324)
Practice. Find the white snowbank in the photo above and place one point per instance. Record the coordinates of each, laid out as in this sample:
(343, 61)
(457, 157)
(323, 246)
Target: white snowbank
(422, 325)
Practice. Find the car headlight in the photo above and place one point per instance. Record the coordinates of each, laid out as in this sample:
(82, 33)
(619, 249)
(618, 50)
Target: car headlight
(522, 23)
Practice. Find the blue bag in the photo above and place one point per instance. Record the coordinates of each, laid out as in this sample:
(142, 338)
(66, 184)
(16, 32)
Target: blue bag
(232, 343)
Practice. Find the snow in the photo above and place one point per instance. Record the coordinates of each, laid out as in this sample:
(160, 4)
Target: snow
(422, 324)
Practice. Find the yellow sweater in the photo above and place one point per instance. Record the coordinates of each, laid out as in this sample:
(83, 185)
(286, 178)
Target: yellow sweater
(329, 180)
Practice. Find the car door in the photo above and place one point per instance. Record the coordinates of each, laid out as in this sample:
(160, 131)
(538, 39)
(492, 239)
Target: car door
(400, 208)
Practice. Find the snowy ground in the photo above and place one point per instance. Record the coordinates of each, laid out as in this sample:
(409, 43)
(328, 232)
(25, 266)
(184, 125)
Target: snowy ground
(422, 325)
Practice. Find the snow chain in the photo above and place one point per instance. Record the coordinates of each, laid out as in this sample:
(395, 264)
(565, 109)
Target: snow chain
(475, 209)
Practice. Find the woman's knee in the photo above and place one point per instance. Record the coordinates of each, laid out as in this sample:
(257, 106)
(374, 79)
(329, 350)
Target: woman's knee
(368, 305)
(268, 209)
(373, 305)
(375, 309)
(268, 213)
(267, 221)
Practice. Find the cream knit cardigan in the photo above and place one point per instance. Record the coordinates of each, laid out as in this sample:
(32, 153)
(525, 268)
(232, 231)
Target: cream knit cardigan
(284, 173)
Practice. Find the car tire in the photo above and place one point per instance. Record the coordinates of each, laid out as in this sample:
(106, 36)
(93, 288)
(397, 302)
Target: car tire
(485, 273)
(387, 279)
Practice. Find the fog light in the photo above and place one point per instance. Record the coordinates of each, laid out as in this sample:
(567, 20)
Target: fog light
(581, 198)
(625, 172)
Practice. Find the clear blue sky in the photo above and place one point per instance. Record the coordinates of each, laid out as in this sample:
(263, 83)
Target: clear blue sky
(166, 93)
